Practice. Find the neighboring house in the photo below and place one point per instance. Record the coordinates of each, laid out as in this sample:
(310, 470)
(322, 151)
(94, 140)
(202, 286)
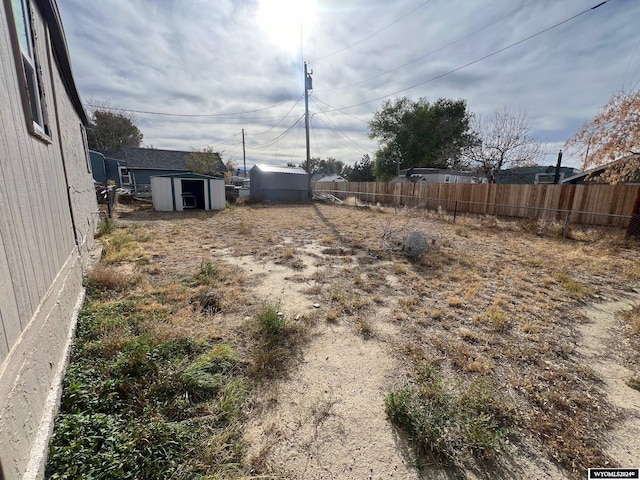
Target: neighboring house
(331, 178)
(279, 184)
(138, 165)
(48, 216)
(438, 175)
(534, 175)
(591, 176)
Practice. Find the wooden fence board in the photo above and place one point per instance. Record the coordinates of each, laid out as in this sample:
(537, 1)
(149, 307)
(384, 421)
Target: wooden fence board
(589, 204)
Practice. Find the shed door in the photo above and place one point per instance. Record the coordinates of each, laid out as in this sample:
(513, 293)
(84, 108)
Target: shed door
(193, 194)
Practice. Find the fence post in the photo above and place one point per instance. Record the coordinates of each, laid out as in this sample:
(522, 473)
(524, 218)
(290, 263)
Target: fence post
(566, 224)
(455, 211)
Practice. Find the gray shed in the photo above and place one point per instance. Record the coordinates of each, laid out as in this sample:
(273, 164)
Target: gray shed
(181, 191)
(279, 184)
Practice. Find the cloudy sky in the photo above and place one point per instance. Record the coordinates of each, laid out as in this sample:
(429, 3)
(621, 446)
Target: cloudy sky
(214, 67)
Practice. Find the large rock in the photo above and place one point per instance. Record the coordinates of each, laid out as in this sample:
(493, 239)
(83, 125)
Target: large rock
(415, 245)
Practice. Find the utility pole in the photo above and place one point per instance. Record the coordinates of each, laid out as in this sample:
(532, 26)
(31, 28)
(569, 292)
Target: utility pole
(244, 156)
(308, 85)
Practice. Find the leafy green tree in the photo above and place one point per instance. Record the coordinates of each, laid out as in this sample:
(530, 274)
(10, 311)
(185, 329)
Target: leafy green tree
(328, 166)
(362, 171)
(206, 162)
(420, 134)
(108, 130)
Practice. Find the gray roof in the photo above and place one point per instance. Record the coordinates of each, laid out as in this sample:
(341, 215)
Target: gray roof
(331, 178)
(157, 159)
(274, 169)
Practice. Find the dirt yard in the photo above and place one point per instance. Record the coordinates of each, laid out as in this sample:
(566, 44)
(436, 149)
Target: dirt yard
(535, 315)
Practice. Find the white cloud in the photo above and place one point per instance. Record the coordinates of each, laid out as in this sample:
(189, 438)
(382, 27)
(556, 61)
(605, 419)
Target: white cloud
(212, 57)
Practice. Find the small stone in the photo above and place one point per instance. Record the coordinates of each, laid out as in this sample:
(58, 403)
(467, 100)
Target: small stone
(280, 314)
(316, 305)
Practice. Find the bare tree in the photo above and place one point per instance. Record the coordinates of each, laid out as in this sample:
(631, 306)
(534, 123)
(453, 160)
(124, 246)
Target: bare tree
(503, 141)
(613, 134)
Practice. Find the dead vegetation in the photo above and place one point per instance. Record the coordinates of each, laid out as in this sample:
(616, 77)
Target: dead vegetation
(489, 311)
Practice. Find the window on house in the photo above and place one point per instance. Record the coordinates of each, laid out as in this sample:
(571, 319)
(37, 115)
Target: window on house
(36, 114)
(447, 179)
(125, 176)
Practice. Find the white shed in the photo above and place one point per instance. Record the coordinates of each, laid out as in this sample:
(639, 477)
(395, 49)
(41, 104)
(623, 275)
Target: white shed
(182, 191)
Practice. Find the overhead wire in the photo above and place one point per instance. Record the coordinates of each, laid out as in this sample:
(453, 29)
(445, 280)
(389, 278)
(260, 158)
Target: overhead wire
(335, 110)
(432, 52)
(495, 52)
(281, 120)
(340, 137)
(219, 142)
(371, 35)
(279, 137)
(189, 115)
(339, 129)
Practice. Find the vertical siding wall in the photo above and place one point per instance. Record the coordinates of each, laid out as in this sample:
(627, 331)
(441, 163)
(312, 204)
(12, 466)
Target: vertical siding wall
(590, 204)
(40, 262)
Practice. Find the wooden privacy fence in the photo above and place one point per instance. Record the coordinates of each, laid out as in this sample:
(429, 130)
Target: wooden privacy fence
(610, 205)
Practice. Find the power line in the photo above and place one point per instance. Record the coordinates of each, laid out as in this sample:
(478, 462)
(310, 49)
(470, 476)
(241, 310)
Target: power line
(432, 52)
(220, 142)
(279, 137)
(372, 35)
(208, 115)
(279, 121)
(472, 62)
(341, 139)
(339, 129)
(315, 138)
(316, 99)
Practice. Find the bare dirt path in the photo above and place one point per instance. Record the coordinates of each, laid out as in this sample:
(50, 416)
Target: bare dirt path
(604, 347)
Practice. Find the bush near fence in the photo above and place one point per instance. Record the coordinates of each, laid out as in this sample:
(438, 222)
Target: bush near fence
(607, 205)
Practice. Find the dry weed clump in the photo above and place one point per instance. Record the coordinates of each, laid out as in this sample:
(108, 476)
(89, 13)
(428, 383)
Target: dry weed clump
(107, 278)
(276, 341)
(632, 319)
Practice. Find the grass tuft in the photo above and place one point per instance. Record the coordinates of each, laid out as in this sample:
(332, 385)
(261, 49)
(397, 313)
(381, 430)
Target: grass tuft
(632, 319)
(448, 422)
(277, 341)
(574, 288)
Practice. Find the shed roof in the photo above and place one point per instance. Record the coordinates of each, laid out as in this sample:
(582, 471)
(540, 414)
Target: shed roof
(187, 175)
(274, 169)
(594, 172)
(157, 159)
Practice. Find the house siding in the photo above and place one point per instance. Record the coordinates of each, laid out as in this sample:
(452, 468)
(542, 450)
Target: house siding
(44, 188)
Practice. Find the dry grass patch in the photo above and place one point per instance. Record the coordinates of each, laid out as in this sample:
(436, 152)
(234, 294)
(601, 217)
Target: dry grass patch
(632, 319)
(573, 288)
(495, 318)
(121, 246)
(455, 302)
